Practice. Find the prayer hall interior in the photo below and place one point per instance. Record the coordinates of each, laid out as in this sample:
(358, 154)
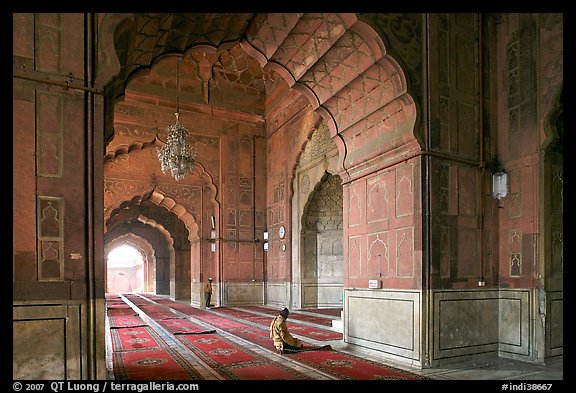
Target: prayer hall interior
(394, 179)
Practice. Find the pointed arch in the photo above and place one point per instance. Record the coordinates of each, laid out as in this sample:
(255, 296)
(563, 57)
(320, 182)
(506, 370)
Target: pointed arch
(145, 249)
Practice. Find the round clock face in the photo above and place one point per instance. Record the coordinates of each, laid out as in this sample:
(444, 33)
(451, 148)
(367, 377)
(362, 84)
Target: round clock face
(281, 232)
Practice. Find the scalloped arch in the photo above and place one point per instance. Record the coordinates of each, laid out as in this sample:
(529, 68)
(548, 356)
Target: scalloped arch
(337, 61)
(137, 242)
(168, 203)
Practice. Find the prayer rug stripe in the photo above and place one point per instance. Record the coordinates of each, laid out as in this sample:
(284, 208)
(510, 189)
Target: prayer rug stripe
(127, 339)
(152, 364)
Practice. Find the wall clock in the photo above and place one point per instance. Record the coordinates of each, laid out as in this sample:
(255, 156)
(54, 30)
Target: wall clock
(281, 232)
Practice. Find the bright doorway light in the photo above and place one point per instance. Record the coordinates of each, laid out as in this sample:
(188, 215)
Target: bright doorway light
(125, 271)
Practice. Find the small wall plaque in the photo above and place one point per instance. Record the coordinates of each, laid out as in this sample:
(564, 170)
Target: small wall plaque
(374, 284)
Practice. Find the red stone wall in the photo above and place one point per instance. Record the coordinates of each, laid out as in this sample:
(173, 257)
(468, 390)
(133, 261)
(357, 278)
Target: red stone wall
(49, 159)
(462, 212)
(57, 193)
(521, 142)
(243, 203)
(382, 228)
(288, 126)
(225, 184)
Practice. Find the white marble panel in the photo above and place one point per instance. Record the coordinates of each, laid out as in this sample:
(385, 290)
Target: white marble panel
(278, 294)
(556, 320)
(514, 321)
(322, 295)
(238, 293)
(465, 322)
(46, 341)
(384, 320)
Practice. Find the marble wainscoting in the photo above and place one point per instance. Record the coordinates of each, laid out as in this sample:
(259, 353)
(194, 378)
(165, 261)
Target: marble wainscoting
(321, 294)
(475, 322)
(48, 339)
(242, 293)
(388, 321)
(555, 321)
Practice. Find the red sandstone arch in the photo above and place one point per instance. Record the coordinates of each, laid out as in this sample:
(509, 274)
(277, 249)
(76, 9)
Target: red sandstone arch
(159, 198)
(337, 61)
(169, 204)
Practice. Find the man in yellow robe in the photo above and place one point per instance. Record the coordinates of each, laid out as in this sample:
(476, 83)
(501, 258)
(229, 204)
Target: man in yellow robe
(283, 340)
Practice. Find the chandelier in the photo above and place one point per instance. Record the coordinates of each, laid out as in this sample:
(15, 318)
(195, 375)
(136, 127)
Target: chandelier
(177, 155)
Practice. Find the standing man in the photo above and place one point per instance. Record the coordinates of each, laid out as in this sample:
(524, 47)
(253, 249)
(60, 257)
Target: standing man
(207, 288)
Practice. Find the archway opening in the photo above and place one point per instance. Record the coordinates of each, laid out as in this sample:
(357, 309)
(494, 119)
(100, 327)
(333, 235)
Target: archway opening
(125, 270)
(322, 267)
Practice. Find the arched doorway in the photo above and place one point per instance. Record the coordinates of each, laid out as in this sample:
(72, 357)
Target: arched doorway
(322, 251)
(125, 270)
(317, 224)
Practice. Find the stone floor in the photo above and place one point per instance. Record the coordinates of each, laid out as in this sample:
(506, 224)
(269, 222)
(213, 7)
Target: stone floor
(487, 368)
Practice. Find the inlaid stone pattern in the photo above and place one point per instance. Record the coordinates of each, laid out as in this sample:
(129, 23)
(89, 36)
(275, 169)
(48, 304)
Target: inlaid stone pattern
(346, 59)
(378, 255)
(319, 146)
(557, 194)
(309, 39)
(558, 251)
(380, 196)
(381, 228)
(323, 231)
(50, 233)
(515, 193)
(515, 252)
(404, 32)
(520, 99)
(49, 130)
(325, 209)
(551, 57)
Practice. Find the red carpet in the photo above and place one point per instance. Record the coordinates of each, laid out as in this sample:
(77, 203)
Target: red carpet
(114, 312)
(127, 339)
(234, 361)
(347, 366)
(120, 306)
(264, 372)
(294, 315)
(230, 360)
(138, 352)
(183, 326)
(333, 312)
(153, 364)
(157, 311)
(123, 321)
(227, 357)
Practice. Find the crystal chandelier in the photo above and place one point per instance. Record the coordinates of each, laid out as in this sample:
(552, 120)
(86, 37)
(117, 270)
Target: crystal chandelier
(176, 155)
